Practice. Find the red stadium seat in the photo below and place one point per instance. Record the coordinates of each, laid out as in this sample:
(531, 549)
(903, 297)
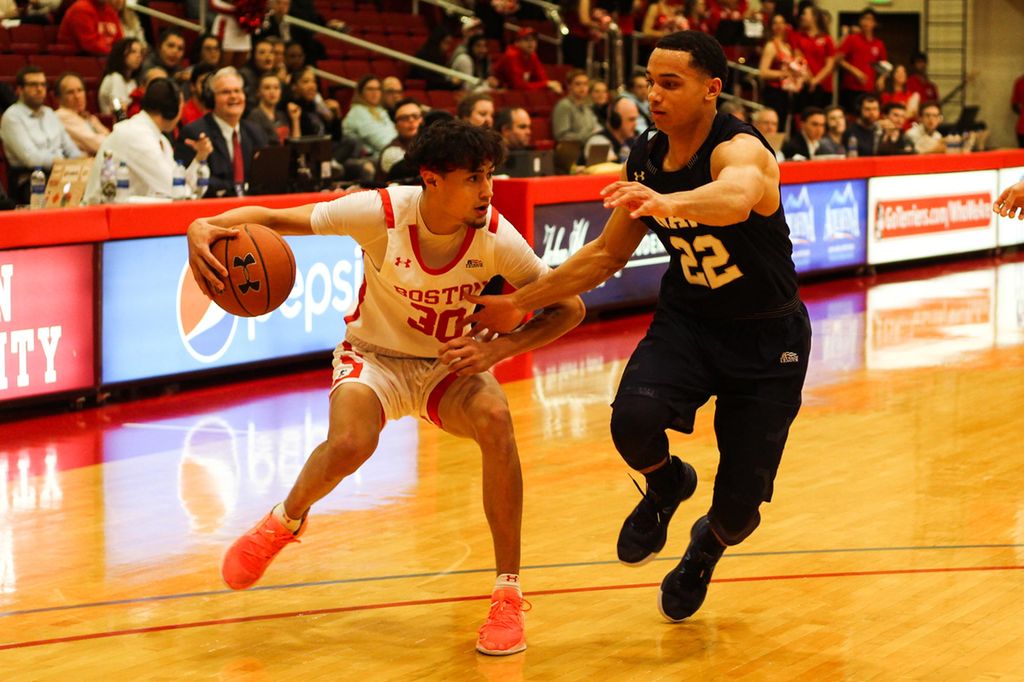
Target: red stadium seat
(52, 64)
(442, 99)
(10, 64)
(540, 128)
(27, 39)
(537, 102)
(85, 66)
(5, 41)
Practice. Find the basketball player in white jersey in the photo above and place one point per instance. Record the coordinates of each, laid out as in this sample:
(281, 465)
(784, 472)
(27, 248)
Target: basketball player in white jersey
(405, 352)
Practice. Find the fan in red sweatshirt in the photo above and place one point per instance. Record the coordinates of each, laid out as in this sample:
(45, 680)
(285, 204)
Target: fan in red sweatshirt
(92, 26)
(519, 68)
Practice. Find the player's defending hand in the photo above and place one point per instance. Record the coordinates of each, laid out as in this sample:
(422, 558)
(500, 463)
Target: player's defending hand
(1010, 203)
(637, 198)
(499, 314)
(206, 269)
(467, 355)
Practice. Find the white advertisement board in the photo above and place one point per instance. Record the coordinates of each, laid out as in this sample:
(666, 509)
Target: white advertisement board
(1011, 231)
(919, 216)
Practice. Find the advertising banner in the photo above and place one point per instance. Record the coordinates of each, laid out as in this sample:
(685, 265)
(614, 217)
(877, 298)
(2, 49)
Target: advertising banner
(918, 216)
(827, 224)
(1011, 231)
(46, 320)
(561, 229)
(156, 322)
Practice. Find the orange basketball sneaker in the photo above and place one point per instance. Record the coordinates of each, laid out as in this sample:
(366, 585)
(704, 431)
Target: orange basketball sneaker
(504, 631)
(247, 559)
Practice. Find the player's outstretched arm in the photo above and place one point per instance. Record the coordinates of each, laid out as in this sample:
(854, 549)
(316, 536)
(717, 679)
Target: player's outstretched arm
(1010, 203)
(468, 355)
(745, 178)
(594, 263)
(202, 232)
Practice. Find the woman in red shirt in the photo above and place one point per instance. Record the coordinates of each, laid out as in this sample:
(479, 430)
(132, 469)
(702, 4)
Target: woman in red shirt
(894, 89)
(819, 50)
(783, 70)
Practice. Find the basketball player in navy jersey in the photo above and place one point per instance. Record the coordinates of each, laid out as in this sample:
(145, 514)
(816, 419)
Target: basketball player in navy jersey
(729, 322)
(1010, 203)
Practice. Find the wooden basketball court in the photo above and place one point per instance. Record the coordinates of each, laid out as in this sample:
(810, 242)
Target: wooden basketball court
(893, 549)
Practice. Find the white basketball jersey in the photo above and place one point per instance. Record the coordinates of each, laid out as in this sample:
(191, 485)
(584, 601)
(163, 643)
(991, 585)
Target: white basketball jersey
(408, 306)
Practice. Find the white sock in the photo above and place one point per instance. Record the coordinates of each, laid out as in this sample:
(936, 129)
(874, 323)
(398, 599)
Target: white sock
(508, 580)
(291, 524)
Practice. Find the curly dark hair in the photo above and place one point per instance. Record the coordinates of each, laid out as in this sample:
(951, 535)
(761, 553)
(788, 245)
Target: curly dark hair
(455, 145)
(706, 53)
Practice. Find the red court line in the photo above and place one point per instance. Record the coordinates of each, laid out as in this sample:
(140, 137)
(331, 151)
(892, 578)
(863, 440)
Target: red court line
(452, 600)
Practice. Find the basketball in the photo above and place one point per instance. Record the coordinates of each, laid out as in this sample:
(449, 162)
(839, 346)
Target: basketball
(261, 271)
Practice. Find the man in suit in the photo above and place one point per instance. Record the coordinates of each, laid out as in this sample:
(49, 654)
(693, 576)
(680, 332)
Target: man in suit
(804, 146)
(234, 140)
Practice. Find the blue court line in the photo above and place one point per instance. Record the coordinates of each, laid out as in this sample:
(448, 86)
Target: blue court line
(468, 571)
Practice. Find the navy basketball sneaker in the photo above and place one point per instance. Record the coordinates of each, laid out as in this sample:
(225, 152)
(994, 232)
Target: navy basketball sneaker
(645, 530)
(684, 588)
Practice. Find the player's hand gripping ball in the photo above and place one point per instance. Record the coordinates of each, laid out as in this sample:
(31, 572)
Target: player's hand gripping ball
(261, 270)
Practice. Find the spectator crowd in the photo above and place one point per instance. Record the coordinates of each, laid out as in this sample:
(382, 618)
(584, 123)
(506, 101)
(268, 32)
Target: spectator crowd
(168, 102)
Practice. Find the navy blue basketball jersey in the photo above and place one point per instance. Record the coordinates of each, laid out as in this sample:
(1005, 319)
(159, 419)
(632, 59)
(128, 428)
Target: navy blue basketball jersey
(727, 272)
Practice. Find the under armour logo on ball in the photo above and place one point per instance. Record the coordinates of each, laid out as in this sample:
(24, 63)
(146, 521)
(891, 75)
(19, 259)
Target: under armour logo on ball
(399, 261)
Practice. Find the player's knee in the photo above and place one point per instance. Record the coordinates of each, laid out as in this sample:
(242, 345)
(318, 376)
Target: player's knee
(347, 450)
(638, 430)
(492, 425)
(733, 522)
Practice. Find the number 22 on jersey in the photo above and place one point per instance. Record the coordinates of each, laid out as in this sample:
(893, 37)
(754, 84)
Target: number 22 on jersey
(705, 263)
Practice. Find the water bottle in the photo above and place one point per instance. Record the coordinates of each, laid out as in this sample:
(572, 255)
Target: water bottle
(108, 181)
(122, 179)
(851, 147)
(178, 190)
(202, 178)
(119, 114)
(38, 199)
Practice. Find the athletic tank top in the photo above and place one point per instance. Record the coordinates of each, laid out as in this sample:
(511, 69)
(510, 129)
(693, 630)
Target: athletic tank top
(737, 271)
(408, 308)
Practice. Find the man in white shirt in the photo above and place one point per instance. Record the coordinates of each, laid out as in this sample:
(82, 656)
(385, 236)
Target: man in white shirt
(32, 134)
(406, 349)
(140, 142)
(85, 129)
(924, 134)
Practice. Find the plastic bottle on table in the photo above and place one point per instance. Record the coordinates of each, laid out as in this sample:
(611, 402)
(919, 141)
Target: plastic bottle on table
(122, 177)
(851, 147)
(38, 188)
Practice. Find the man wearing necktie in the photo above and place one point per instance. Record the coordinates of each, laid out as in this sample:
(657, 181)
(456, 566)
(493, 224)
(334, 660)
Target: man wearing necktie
(234, 140)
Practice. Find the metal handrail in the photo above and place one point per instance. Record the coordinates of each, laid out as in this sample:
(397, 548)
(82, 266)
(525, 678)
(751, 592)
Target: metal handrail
(448, 7)
(163, 16)
(750, 104)
(373, 47)
(549, 6)
(327, 75)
